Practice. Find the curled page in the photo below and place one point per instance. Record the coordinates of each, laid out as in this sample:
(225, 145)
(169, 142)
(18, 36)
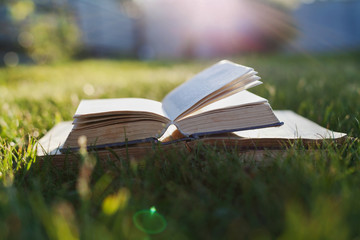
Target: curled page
(200, 86)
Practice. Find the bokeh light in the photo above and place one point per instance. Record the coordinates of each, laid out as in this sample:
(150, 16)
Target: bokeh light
(26, 39)
(11, 59)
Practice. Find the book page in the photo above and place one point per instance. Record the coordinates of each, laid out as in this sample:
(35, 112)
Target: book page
(116, 105)
(201, 85)
(295, 127)
(239, 99)
(216, 96)
(54, 139)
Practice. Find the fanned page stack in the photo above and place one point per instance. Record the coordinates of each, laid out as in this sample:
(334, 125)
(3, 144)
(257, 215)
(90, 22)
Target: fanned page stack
(213, 101)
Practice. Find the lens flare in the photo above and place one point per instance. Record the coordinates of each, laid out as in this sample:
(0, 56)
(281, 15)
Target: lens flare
(149, 221)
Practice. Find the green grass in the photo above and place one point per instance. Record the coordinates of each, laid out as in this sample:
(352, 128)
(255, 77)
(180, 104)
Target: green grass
(206, 194)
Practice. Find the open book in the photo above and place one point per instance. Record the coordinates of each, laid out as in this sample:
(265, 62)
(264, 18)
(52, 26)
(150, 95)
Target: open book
(256, 144)
(213, 101)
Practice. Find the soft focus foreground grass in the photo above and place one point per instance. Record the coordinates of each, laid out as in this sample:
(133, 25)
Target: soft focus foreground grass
(204, 194)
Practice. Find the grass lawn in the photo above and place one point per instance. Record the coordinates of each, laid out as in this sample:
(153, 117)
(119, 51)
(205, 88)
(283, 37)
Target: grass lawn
(206, 194)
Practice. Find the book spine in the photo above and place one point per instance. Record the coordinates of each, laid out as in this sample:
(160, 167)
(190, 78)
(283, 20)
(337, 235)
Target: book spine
(185, 134)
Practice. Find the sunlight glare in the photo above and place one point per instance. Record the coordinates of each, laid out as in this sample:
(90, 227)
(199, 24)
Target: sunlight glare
(210, 28)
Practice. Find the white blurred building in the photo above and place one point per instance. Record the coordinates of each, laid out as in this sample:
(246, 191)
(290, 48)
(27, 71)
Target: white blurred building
(105, 26)
(327, 26)
(203, 28)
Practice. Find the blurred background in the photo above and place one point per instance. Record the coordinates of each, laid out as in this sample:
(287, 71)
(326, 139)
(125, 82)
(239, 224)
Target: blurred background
(45, 31)
(307, 52)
